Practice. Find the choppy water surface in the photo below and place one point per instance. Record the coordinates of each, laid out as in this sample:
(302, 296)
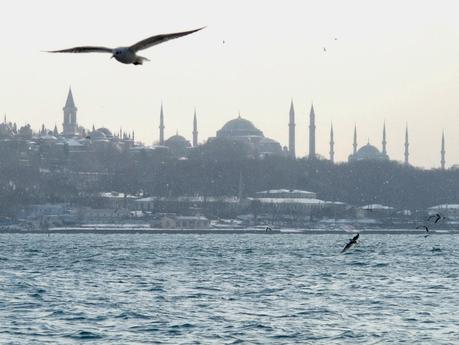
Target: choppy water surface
(228, 289)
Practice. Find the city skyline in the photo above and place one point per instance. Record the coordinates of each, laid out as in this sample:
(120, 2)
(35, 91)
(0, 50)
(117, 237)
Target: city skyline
(71, 128)
(395, 73)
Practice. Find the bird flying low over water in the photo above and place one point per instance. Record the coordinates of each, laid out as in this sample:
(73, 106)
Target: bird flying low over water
(352, 241)
(128, 55)
(435, 217)
(423, 227)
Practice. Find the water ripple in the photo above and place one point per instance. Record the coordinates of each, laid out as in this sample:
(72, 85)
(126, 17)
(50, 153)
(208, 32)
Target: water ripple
(227, 289)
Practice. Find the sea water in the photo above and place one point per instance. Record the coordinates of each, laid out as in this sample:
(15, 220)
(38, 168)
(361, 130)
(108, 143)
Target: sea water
(228, 289)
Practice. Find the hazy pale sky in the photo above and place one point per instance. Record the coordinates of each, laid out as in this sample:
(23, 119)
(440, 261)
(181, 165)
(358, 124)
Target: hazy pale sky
(394, 61)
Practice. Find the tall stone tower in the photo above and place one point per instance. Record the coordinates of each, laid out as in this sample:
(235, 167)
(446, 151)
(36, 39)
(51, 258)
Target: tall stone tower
(195, 130)
(384, 142)
(332, 145)
(443, 161)
(354, 145)
(407, 145)
(161, 126)
(312, 133)
(291, 132)
(70, 120)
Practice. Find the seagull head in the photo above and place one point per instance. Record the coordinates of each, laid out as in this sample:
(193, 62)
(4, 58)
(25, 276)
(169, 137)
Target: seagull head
(116, 52)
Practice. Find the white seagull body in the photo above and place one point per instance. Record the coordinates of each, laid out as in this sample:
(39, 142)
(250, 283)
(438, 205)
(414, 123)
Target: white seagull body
(128, 55)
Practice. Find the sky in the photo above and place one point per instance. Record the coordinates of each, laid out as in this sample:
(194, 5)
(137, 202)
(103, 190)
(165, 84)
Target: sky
(392, 61)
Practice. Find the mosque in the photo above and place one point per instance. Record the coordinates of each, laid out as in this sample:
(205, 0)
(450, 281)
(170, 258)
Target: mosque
(244, 131)
(237, 130)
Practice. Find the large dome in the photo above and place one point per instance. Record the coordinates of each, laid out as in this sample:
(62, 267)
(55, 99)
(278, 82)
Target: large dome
(239, 127)
(368, 152)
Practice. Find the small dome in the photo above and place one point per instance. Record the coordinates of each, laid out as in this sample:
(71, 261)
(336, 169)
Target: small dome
(106, 132)
(177, 143)
(98, 135)
(48, 137)
(269, 146)
(239, 127)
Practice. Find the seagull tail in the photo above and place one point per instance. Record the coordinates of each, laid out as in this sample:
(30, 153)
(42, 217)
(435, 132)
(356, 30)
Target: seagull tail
(139, 60)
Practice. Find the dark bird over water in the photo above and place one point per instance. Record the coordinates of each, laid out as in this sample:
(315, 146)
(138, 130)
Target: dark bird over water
(423, 227)
(268, 229)
(352, 241)
(436, 217)
(128, 55)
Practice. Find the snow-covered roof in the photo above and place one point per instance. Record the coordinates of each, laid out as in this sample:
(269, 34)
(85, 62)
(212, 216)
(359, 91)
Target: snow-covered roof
(445, 206)
(309, 201)
(116, 195)
(292, 191)
(190, 199)
(376, 207)
(191, 218)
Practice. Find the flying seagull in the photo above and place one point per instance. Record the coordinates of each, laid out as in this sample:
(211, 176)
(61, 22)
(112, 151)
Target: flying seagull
(436, 217)
(352, 241)
(128, 55)
(423, 227)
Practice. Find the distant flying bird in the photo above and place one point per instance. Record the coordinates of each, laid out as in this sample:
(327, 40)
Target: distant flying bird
(352, 241)
(268, 229)
(325, 50)
(128, 55)
(423, 227)
(436, 217)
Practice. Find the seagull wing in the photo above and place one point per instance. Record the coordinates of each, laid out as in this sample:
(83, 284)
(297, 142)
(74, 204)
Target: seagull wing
(158, 39)
(84, 49)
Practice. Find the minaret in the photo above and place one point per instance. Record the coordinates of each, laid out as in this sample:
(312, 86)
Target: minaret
(161, 126)
(384, 142)
(291, 132)
(195, 130)
(407, 144)
(442, 161)
(332, 145)
(354, 145)
(312, 133)
(70, 110)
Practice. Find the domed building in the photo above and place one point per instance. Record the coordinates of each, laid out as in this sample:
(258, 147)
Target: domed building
(98, 135)
(177, 144)
(368, 152)
(108, 134)
(242, 130)
(239, 127)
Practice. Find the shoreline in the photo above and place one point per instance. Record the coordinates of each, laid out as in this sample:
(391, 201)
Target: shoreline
(226, 231)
